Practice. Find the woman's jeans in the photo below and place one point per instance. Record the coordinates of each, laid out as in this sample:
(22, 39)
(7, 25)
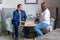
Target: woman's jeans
(40, 26)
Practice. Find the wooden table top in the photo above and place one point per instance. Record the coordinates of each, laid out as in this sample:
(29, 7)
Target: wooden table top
(28, 24)
(54, 35)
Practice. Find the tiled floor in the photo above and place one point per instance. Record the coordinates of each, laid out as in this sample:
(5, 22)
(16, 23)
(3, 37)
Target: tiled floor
(54, 35)
(10, 38)
(5, 36)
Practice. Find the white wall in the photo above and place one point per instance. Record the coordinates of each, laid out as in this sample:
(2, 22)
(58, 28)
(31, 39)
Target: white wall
(29, 8)
(1, 6)
(53, 2)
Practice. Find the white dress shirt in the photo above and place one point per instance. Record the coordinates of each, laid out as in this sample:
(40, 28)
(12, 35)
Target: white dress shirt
(46, 16)
(20, 16)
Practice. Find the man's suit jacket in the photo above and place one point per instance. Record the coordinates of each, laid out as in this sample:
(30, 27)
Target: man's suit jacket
(16, 17)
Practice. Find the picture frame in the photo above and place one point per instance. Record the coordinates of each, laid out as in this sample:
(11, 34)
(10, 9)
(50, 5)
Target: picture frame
(31, 1)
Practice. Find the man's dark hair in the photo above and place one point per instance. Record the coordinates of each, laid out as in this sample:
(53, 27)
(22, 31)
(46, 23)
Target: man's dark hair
(19, 5)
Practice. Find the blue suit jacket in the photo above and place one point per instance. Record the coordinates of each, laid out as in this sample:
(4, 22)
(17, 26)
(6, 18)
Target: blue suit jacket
(16, 17)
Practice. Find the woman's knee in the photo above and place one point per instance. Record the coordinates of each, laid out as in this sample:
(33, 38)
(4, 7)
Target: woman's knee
(35, 28)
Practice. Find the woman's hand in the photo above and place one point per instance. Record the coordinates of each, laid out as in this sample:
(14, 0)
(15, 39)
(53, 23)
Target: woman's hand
(38, 15)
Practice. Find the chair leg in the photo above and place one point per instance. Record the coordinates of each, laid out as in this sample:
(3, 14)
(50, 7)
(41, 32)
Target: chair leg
(8, 32)
(0, 34)
(34, 38)
(12, 35)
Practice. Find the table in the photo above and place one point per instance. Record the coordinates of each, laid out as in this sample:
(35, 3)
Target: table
(54, 35)
(28, 24)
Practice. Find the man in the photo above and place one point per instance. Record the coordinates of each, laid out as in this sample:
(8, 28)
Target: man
(44, 19)
(18, 16)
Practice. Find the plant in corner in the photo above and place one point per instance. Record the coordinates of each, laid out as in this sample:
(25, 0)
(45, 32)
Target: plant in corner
(2, 23)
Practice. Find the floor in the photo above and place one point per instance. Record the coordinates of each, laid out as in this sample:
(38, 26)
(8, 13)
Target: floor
(10, 38)
(54, 35)
(5, 36)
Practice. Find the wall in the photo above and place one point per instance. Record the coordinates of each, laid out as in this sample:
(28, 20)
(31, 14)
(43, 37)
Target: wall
(0, 11)
(0, 16)
(29, 8)
(53, 2)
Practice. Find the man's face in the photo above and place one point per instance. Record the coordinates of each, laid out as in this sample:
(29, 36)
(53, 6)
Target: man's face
(43, 6)
(20, 8)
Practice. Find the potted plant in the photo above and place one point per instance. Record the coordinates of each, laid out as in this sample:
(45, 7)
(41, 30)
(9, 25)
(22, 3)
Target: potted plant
(2, 23)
